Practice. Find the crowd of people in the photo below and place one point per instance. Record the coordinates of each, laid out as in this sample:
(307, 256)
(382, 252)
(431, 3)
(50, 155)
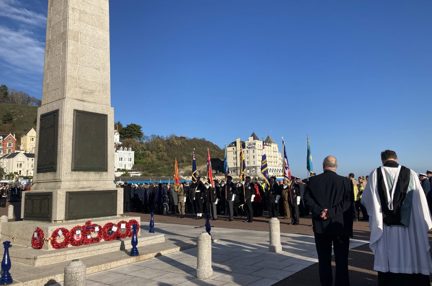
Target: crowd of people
(232, 199)
(10, 192)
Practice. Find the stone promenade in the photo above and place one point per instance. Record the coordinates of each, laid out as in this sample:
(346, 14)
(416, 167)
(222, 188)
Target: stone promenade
(240, 257)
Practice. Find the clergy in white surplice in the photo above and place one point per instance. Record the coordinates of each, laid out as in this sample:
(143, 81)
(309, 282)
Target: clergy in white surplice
(399, 222)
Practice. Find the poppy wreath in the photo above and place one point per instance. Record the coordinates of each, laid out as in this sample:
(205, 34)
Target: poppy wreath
(133, 222)
(109, 231)
(123, 229)
(38, 237)
(58, 234)
(93, 233)
(76, 236)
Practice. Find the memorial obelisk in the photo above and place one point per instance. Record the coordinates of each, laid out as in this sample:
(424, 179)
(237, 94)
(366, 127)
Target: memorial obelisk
(74, 165)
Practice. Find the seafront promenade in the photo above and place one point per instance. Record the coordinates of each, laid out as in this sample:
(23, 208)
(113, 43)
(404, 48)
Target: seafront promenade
(240, 256)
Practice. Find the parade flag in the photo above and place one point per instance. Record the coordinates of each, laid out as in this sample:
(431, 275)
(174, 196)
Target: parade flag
(226, 168)
(176, 173)
(194, 168)
(264, 168)
(309, 164)
(242, 165)
(286, 166)
(209, 169)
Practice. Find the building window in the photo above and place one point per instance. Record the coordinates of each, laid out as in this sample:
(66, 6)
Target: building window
(9, 144)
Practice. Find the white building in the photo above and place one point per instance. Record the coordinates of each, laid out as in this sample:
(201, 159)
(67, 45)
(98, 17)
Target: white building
(28, 141)
(19, 162)
(253, 150)
(124, 158)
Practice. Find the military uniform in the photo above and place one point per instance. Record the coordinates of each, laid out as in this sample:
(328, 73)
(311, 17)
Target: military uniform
(249, 190)
(274, 195)
(285, 200)
(229, 193)
(181, 199)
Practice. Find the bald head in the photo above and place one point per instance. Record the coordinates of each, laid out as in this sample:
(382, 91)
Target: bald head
(330, 163)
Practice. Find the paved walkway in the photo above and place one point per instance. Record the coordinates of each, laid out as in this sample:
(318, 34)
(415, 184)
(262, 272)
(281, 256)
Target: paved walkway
(240, 257)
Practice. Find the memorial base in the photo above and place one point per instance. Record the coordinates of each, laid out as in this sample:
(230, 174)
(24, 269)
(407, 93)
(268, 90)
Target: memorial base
(20, 234)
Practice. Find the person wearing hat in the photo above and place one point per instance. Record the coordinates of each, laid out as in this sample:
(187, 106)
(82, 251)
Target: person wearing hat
(425, 183)
(229, 197)
(429, 175)
(248, 191)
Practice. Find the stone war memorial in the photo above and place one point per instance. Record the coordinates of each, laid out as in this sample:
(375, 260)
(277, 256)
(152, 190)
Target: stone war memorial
(74, 209)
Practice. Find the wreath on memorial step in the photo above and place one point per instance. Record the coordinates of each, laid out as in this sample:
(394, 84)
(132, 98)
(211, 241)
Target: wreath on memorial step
(60, 238)
(76, 236)
(38, 238)
(109, 231)
(133, 222)
(93, 233)
(123, 229)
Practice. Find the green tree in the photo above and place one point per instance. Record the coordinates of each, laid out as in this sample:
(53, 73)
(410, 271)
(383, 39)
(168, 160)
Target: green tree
(131, 131)
(7, 118)
(4, 93)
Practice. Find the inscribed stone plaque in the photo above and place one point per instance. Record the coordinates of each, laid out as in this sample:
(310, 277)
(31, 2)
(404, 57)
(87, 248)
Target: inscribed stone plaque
(38, 206)
(90, 142)
(48, 138)
(91, 204)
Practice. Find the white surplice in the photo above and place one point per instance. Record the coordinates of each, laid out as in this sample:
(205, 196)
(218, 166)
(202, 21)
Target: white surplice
(399, 249)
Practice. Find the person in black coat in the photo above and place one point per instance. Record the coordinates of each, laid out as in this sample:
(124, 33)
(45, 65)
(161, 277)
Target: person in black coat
(248, 191)
(330, 197)
(274, 195)
(229, 193)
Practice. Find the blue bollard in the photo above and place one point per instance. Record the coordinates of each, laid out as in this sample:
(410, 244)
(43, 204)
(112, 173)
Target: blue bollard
(151, 227)
(207, 224)
(6, 278)
(134, 241)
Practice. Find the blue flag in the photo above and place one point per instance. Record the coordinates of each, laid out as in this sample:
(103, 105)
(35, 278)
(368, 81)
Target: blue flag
(264, 168)
(309, 164)
(226, 168)
(194, 168)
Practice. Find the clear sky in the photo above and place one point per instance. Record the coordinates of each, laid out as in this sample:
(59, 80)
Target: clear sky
(356, 76)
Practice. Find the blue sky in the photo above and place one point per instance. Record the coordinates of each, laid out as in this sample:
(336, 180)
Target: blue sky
(356, 76)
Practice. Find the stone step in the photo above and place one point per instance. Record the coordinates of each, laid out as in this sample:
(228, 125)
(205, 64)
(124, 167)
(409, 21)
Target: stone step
(27, 275)
(41, 257)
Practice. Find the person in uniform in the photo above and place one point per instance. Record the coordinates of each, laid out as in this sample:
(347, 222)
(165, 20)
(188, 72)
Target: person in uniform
(199, 197)
(230, 197)
(285, 198)
(179, 189)
(274, 195)
(294, 201)
(214, 199)
(248, 195)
